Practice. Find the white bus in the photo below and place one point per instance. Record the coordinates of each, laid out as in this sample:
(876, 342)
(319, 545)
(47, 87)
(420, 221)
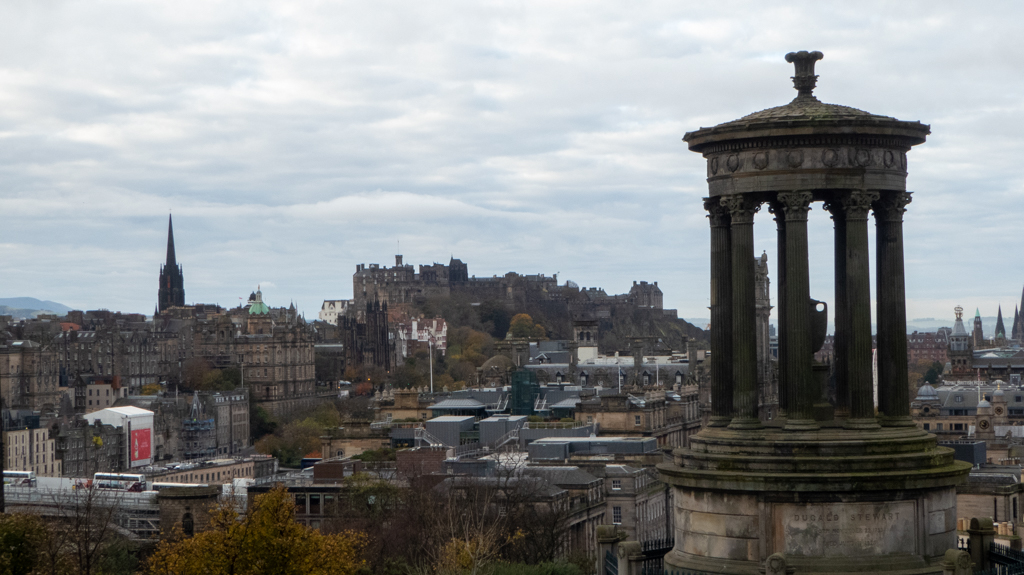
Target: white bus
(20, 478)
(159, 486)
(120, 481)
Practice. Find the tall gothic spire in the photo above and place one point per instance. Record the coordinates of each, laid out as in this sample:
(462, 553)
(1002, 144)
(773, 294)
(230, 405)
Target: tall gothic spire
(1000, 328)
(171, 291)
(171, 261)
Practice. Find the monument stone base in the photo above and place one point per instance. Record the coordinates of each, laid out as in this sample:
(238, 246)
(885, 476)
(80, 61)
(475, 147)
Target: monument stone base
(832, 500)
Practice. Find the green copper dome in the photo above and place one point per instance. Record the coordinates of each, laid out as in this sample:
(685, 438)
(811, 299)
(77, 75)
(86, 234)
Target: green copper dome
(257, 307)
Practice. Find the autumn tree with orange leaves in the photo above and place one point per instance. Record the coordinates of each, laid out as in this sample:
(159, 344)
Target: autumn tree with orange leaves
(266, 539)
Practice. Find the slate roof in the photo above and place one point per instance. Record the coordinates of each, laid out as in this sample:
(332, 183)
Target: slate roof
(806, 108)
(567, 403)
(562, 476)
(457, 404)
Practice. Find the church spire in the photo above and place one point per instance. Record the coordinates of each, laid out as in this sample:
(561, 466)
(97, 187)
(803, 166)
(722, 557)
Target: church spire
(171, 292)
(172, 262)
(1000, 328)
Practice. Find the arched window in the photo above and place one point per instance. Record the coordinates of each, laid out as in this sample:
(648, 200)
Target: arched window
(188, 525)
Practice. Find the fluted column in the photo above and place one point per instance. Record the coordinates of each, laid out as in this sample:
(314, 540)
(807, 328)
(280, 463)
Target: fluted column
(805, 389)
(744, 319)
(780, 224)
(858, 291)
(893, 387)
(721, 314)
(840, 341)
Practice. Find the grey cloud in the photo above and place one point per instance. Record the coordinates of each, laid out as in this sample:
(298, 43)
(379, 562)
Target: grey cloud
(294, 143)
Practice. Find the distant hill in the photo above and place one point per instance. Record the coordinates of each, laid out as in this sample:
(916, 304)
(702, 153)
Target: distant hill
(28, 307)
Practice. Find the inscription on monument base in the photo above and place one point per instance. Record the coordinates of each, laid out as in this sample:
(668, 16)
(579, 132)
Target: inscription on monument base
(845, 529)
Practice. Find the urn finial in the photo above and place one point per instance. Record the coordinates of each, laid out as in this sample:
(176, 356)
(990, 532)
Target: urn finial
(804, 80)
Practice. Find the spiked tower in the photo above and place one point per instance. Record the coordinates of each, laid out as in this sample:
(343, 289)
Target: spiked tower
(172, 282)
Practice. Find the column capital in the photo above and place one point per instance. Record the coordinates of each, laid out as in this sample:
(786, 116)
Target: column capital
(834, 207)
(795, 204)
(890, 206)
(717, 213)
(741, 209)
(857, 203)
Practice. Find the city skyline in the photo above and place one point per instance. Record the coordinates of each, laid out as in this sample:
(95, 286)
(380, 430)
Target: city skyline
(292, 145)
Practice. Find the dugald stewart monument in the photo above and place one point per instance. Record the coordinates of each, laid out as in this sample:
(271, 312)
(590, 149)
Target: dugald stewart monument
(831, 485)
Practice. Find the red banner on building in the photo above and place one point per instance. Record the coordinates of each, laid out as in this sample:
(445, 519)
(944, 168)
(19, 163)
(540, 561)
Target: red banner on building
(140, 444)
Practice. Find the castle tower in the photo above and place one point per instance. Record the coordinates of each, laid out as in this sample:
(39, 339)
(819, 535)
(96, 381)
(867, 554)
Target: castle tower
(961, 352)
(585, 335)
(979, 334)
(827, 487)
(172, 282)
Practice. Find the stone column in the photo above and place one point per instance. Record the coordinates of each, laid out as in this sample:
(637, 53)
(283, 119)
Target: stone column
(893, 387)
(804, 387)
(721, 315)
(780, 280)
(858, 292)
(744, 317)
(840, 343)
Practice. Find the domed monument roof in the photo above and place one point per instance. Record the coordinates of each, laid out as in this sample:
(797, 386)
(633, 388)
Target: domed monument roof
(501, 362)
(926, 392)
(257, 307)
(806, 145)
(808, 115)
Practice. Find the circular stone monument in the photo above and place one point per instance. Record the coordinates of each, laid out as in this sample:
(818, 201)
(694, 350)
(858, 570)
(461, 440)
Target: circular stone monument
(832, 485)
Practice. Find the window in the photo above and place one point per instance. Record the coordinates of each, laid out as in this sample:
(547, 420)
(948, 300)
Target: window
(616, 484)
(958, 398)
(927, 427)
(636, 419)
(617, 515)
(590, 419)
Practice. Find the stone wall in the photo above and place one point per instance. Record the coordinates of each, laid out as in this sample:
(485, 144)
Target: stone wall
(186, 510)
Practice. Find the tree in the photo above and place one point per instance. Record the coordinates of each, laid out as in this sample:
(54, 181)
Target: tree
(933, 373)
(261, 423)
(266, 539)
(83, 537)
(469, 345)
(923, 371)
(522, 325)
(484, 521)
(22, 538)
(494, 318)
(195, 371)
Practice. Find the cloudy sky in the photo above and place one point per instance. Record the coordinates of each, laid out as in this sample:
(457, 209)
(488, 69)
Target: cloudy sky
(293, 141)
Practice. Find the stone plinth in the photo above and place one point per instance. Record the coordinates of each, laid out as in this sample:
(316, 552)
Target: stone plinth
(829, 500)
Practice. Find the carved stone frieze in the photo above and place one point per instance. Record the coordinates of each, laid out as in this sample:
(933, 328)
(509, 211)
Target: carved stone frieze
(755, 160)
